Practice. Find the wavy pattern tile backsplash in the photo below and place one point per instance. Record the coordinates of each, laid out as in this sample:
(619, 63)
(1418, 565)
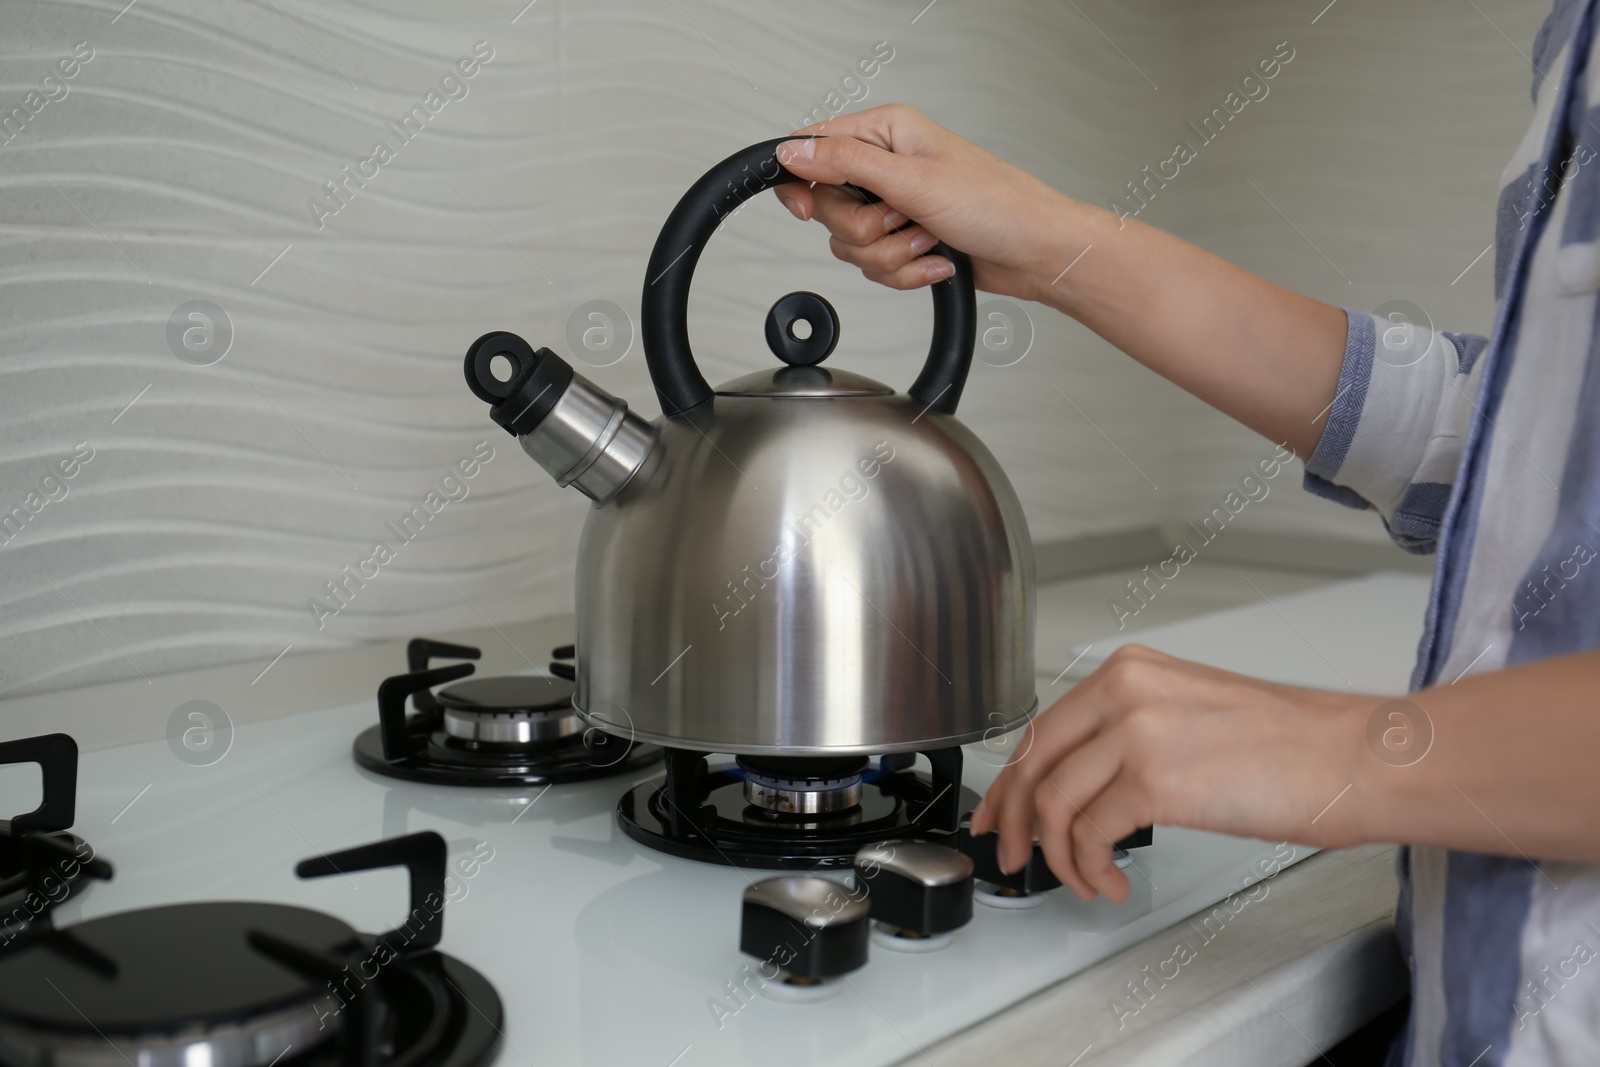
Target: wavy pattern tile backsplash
(497, 166)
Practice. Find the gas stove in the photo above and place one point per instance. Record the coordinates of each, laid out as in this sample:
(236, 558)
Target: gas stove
(43, 863)
(606, 951)
(560, 906)
(243, 983)
(515, 729)
(793, 813)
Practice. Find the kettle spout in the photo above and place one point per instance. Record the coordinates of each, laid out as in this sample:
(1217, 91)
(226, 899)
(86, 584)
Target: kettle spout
(579, 433)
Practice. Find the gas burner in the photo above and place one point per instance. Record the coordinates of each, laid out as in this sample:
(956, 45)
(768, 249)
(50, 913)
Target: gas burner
(500, 731)
(511, 710)
(41, 863)
(793, 812)
(238, 984)
(790, 786)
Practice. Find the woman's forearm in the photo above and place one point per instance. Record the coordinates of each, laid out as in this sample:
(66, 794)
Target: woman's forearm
(1258, 352)
(1511, 768)
(1261, 353)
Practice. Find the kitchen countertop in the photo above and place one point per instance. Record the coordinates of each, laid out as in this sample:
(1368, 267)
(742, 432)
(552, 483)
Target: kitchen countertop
(1313, 960)
(1318, 957)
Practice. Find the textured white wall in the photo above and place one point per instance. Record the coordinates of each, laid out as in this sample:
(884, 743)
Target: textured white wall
(179, 163)
(1382, 142)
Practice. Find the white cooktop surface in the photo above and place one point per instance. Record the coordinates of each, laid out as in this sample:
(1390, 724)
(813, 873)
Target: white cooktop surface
(603, 951)
(1360, 635)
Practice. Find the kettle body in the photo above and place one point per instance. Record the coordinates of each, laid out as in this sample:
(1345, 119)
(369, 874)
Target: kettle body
(800, 562)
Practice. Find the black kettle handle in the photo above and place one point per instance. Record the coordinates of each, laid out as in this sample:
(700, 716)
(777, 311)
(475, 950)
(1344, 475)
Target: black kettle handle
(665, 306)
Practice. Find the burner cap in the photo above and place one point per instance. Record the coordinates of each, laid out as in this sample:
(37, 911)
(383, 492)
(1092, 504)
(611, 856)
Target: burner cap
(510, 710)
(803, 785)
(156, 982)
(508, 693)
(506, 730)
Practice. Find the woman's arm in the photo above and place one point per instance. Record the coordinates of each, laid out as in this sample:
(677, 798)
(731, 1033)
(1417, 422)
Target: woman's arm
(1512, 769)
(1148, 739)
(1265, 355)
(1152, 739)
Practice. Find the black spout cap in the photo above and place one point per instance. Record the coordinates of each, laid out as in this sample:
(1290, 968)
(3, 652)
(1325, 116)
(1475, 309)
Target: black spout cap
(537, 380)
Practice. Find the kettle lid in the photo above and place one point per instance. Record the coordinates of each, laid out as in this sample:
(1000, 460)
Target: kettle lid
(803, 382)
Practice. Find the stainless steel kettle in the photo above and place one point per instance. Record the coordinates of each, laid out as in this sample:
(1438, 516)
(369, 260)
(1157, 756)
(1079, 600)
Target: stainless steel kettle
(799, 562)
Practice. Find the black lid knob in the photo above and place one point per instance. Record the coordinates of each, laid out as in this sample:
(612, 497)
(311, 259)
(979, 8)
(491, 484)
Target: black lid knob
(805, 926)
(916, 887)
(817, 314)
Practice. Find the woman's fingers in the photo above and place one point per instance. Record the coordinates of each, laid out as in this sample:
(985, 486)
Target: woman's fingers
(844, 160)
(798, 199)
(914, 275)
(1059, 802)
(1007, 221)
(983, 814)
(852, 218)
(862, 148)
(872, 235)
(1148, 738)
(1009, 812)
(888, 253)
(1070, 723)
(844, 212)
(897, 127)
(1015, 820)
(1107, 819)
(1127, 686)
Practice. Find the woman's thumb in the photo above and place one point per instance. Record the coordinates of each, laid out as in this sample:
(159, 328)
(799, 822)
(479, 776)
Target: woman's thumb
(837, 160)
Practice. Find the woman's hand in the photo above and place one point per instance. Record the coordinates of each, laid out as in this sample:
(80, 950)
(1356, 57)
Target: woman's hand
(1148, 738)
(1260, 353)
(1002, 217)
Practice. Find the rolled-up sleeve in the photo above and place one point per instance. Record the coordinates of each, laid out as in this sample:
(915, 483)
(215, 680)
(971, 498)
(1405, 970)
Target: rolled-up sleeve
(1397, 425)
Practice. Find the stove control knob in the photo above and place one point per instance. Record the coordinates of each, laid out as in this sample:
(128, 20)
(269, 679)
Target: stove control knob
(804, 928)
(1034, 878)
(916, 890)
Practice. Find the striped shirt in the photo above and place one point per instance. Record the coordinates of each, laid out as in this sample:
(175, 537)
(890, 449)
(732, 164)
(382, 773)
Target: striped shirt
(1487, 451)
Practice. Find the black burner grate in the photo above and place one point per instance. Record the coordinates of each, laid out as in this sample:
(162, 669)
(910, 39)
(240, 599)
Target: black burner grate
(41, 863)
(700, 812)
(418, 748)
(250, 983)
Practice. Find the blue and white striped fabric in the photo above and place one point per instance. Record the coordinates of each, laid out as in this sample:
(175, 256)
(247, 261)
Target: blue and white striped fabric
(1487, 450)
